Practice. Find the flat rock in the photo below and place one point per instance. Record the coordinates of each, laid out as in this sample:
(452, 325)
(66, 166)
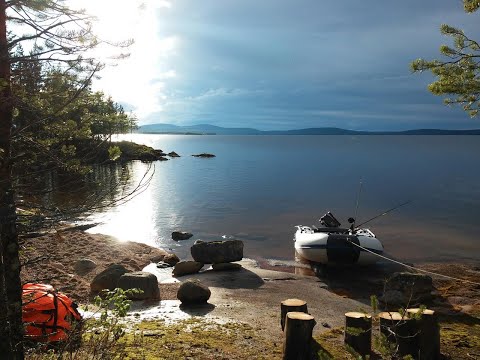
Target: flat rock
(187, 267)
(204, 155)
(193, 292)
(226, 267)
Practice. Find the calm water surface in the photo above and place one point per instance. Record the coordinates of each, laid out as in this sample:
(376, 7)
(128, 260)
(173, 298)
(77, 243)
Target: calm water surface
(259, 187)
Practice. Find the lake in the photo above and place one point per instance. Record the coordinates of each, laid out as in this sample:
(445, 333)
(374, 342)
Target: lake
(258, 188)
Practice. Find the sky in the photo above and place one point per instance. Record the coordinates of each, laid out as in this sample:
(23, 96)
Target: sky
(279, 64)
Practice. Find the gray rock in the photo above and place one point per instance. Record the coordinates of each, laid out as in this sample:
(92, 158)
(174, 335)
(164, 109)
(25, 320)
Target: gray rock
(405, 288)
(84, 266)
(181, 235)
(394, 297)
(187, 267)
(173, 154)
(108, 278)
(226, 267)
(144, 281)
(193, 292)
(214, 252)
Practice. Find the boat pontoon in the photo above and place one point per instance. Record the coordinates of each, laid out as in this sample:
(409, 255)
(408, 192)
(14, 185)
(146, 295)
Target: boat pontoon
(332, 244)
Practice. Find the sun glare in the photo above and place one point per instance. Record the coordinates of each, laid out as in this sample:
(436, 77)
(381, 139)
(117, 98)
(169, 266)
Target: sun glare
(137, 81)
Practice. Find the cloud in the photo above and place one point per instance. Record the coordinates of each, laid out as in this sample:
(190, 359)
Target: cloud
(272, 64)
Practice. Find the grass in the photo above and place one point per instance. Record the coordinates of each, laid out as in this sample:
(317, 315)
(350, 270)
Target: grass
(195, 338)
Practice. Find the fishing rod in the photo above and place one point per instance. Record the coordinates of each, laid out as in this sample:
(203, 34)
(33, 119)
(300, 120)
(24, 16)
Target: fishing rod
(356, 206)
(385, 212)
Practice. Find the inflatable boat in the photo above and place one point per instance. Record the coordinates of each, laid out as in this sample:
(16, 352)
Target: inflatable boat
(332, 244)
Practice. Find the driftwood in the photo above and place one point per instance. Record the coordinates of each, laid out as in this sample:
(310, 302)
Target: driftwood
(298, 336)
(358, 332)
(428, 333)
(400, 331)
(291, 305)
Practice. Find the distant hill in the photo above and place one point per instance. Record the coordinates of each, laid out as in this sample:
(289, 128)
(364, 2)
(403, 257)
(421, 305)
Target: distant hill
(206, 129)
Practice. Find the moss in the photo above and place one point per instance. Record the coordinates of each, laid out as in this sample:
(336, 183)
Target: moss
(198, 339)
(329, 345)
(460, 336)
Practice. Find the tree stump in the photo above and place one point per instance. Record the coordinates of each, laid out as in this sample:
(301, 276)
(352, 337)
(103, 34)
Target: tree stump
(400, 332)
(358, 332)
(428, 333)
(290, 305)
(298, 336)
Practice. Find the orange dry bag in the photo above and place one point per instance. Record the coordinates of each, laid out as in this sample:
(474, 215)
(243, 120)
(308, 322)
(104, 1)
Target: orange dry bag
(47, 315)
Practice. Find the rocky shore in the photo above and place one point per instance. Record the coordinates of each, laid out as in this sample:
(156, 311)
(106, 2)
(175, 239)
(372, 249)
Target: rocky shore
(252, 295)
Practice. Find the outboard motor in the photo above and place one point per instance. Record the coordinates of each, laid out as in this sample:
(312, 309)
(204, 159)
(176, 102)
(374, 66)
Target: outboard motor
(328, 220)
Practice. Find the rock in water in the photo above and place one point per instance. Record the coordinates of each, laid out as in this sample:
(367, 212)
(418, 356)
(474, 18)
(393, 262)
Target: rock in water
(187, 267)
(215, 252)
(108, 278)
(204, 155)
(181, 235)
(193, 292)
(173, 154)
(84, 266)
(144, 281)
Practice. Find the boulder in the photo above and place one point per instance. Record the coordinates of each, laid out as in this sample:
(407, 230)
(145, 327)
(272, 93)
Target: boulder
(187, 267)
(405, 288)
(171, 259)
(84, 266)
(144, 281)
(108, 278)
(181, 235)
(193, 292)
(173, 154)
(226, 267)
(215, 252)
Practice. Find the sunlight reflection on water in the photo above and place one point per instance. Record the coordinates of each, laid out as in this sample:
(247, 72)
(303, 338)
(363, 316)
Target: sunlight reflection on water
(259, 187)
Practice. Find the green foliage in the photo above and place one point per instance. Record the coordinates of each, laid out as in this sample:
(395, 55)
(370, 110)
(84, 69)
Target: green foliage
(471, 5)
(114, 152)
(458, 76)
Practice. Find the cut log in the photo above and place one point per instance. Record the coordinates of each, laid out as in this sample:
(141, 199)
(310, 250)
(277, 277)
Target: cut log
(298, 336)
(358, 332)
(400, 332)
(428, 333)
(291, 305)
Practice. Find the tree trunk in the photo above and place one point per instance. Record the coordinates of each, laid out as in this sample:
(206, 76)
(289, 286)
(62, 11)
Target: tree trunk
(400, 332)
(298, 336)
(358, 332)
(11, 327)
(428, 333)
(291, 305)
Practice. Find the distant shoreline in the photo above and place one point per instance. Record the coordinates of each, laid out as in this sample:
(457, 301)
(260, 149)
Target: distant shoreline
(169, 129)
(360, 134)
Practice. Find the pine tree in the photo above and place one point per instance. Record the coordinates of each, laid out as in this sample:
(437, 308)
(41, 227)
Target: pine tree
(59, 37)
(458, 77)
